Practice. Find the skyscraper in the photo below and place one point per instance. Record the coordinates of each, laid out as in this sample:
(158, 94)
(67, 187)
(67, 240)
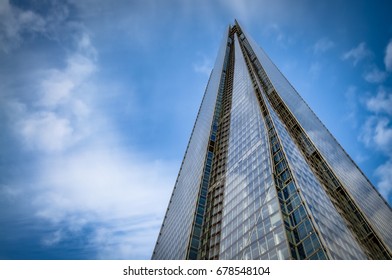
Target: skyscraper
(262, 178)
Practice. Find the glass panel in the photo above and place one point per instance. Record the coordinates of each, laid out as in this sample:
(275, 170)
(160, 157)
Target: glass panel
(248, 231)
(327, 218)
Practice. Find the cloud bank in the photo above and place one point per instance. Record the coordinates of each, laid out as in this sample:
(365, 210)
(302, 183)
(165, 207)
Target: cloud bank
(86, 181)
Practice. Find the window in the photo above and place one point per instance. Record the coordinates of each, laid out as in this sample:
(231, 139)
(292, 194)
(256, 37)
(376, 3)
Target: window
(275, 219)
(298, 215)
(280, 166)
(293, 203)
(277, 157)
(289, 190)
(275, 147)
(285, 175)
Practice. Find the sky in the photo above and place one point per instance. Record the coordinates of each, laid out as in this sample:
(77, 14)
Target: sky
(98, 100)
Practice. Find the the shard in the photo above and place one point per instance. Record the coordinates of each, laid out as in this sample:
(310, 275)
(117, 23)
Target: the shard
(263, 178)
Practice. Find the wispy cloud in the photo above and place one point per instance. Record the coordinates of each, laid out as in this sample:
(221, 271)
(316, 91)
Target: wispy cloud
(116, 242)
(388, 56)
(55, 120)
(276, 32)
(377, 130)
(377, 135)
(14, 22)
(17, 24)
(384, 173)
(204, 66)
(103, 181)
(375, 75)
(85, 180)
(104, 186)
(84, 175)
(45, 131)
(381, 103)
(323, 45)
(351, 98)
(357, 54)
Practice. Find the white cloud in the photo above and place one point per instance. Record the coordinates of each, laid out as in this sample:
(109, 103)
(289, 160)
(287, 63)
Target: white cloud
(45, 131)
(377, 133)
(104, 182)
(85, 46)
(59, 116)
(384, 172)
(53, 238)
(381, 103)
(14, 22)
(116, 242)
(59, 88)
(375, 75)
(360, 158)
(98, 182)
(9, 193)
(86, 181)
(388, 56)
(203, 67)
(383, 134)
(323, 45)
(357, 54)
(120, 196)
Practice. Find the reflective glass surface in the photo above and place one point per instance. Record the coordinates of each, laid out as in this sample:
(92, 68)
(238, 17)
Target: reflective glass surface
(361, 190)
(272, 204)
(338, 239)
(252, 225)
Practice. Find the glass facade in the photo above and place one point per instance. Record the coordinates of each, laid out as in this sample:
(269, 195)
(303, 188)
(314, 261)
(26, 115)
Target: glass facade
(338, 239)
(375, 208)
(252, 226)
(262, 178)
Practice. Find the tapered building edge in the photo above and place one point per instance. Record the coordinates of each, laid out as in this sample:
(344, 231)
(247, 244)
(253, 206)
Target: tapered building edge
(199, 219)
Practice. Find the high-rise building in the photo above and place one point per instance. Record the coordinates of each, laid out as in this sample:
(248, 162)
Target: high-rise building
(263, 178)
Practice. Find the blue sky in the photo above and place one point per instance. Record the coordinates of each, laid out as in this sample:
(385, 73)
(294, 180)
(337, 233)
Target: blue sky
(97, 102)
